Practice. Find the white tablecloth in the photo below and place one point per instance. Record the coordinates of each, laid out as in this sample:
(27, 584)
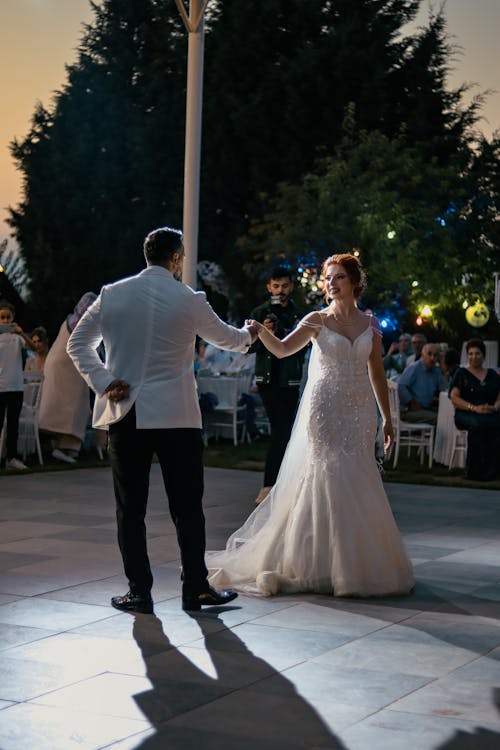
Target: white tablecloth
(222, 385)
(445, 429)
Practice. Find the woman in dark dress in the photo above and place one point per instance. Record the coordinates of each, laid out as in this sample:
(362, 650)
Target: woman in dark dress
(475, 393)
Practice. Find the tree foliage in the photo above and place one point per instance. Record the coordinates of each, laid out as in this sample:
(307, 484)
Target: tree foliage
(426, 232)
(104, 163)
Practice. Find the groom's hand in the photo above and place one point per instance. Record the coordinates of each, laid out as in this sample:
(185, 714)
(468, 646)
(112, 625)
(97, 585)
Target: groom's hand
(117, 390)
(252, 327)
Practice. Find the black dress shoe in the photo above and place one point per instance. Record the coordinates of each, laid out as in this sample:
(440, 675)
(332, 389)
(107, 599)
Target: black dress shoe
(210, 598)
(133, 603)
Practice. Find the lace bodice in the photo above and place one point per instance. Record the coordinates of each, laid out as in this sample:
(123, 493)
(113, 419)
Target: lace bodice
(342, 413)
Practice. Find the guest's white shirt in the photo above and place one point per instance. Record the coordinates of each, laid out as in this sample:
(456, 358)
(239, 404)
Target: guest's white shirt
(149, 324)
(11, 362)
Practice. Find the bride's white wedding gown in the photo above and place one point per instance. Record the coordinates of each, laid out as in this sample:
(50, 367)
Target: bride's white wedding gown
(327, 525)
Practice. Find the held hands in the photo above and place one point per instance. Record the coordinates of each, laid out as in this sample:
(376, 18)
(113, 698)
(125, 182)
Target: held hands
(117, 390)
(253, 327)
(484, 409)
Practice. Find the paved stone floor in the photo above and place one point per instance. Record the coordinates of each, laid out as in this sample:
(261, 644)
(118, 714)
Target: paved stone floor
(416, 673)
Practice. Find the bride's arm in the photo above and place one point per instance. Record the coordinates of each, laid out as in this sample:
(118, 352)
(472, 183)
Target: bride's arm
(378, 379)
(295, 341)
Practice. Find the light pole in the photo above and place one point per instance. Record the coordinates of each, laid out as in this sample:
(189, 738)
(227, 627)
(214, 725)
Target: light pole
(194, 98)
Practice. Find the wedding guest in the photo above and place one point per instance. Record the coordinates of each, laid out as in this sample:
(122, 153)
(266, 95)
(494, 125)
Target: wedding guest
(397, 355)
(65, 403)
(475, 393)
(449, 363)
(36, 363)
(12, 341)
(418, 341)
(278, 381)
(420, 385)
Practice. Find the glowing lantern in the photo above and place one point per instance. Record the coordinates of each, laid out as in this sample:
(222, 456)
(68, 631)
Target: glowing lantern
(477, 315)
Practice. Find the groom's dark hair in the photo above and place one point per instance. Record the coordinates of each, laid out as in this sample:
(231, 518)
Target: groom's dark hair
(161, 244)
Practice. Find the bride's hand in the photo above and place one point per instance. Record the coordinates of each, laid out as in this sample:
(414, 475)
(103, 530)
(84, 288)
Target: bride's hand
(254, 326)
(388, 435)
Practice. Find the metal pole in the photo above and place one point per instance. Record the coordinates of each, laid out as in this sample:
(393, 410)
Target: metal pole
(194, 99)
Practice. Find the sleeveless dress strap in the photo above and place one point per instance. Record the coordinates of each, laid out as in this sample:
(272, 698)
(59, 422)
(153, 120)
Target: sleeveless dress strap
(375, 326)
(309, 323)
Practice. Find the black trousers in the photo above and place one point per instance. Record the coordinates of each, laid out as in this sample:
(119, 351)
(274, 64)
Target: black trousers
(281, 406)
(11, 402)
(483, 443)
(179, 452)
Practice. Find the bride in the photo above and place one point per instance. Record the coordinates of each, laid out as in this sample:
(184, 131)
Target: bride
(327, 525)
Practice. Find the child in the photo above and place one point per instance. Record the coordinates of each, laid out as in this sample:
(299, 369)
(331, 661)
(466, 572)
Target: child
(12, 339)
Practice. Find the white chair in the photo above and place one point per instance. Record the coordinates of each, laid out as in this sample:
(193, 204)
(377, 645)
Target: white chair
(409, 434)
(28, 421)
(227, 414)
(458, 447)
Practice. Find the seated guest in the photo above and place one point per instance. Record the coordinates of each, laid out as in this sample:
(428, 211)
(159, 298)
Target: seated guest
(475, 393)
(36, 362)
(449, 362)
(215, 360)
(418, 340)
(419, 387)
(397, 354)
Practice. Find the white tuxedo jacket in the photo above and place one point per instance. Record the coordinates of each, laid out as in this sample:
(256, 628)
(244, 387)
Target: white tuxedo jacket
(148, 324)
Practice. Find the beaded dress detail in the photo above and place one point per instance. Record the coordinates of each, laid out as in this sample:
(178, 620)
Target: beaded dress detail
(327, 525)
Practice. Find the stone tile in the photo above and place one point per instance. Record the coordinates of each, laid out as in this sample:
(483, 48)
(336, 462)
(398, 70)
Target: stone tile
(30, 584)
(322, 618)
(485, 554)
(478, 634)
(12, 559)
(266, 719)
(399, 649)
(394, 730)
(45, 728)
(231, 669)
(90, 654)
(73, 569)
(66, 548)
(453, 696)
(78, 520)
(279, 647)
(5, 598)
(453, 537)
(23, 680)
(50, 615)
(136, 698)
(314, 680)
(14, 635)
(428, 552)
(11, 531)
(387, 610)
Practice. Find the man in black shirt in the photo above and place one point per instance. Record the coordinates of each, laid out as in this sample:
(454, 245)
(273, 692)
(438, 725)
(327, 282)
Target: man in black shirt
(278, 380)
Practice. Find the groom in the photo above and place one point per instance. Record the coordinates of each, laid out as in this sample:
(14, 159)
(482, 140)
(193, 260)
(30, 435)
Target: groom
(147, 399)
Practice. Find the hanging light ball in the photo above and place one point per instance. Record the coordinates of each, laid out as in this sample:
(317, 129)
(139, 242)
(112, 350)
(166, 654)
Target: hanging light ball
(477, 315)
